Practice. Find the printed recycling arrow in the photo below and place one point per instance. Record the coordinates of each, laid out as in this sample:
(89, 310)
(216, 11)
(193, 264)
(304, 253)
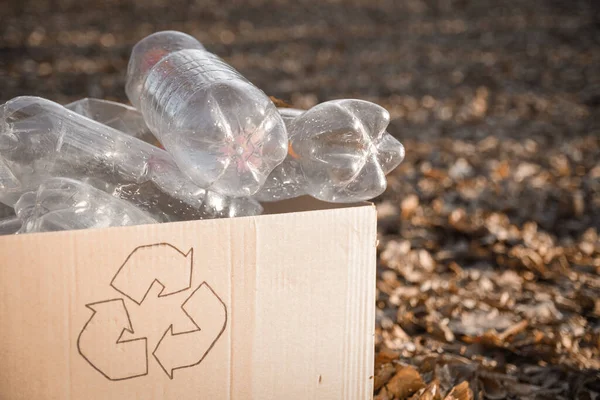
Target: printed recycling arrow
(100, 342)
(186, 349)
(162, 263)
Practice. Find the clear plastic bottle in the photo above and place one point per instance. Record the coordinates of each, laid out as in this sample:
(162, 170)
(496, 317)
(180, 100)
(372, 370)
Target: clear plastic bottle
(286, 181)
(116, 115)
(9, 225)
(339, 152)
(222, 131)
(66, 204)
(40, 139)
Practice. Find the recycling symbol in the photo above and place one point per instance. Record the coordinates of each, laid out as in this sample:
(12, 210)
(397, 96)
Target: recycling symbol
(109, 341)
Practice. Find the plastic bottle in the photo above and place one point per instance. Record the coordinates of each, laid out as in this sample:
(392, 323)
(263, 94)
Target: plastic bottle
(339, 152)
(116, 115)
(66, 204)
(222, 131)
(40, 139)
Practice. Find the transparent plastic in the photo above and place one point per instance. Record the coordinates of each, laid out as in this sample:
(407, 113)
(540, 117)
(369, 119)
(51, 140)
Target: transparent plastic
(288, 114)
(116, 115)
(66, 204)
(286, 181)
(339, 152)
(222, 131)
(9, 225)
(148, 52)
(40, 139)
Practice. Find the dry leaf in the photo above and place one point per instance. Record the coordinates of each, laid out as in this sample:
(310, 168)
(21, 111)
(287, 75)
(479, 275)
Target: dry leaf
(383, 395)
(280, 103)
(431, 392)
(461, 391)
(385, 355)
(383, 375)
(405, 383)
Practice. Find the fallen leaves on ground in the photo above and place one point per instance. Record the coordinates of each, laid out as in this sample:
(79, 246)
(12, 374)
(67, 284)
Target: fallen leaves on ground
(488, 279)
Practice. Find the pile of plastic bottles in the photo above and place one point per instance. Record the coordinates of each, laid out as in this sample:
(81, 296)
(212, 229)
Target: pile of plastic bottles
(200, 142)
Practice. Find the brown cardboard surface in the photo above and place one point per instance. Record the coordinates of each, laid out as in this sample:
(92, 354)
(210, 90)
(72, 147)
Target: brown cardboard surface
(267, 307)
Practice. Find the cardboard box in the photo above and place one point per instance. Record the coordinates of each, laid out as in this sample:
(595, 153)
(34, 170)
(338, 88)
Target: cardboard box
(279, 306)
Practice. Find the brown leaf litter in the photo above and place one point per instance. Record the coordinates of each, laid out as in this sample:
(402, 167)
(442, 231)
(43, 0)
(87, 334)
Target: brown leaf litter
(488, 281)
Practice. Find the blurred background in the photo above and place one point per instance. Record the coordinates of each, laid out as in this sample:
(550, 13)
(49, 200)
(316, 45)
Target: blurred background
(464, 68)
(489, 255)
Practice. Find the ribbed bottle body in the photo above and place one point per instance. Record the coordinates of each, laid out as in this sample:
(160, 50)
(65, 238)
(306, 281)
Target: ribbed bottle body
(222, 131)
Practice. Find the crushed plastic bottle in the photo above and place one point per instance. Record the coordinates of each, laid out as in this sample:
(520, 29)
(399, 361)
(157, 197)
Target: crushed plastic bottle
(66, 204)
(222, 131)
(339, 152)
(40, 139)
(116, 115)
